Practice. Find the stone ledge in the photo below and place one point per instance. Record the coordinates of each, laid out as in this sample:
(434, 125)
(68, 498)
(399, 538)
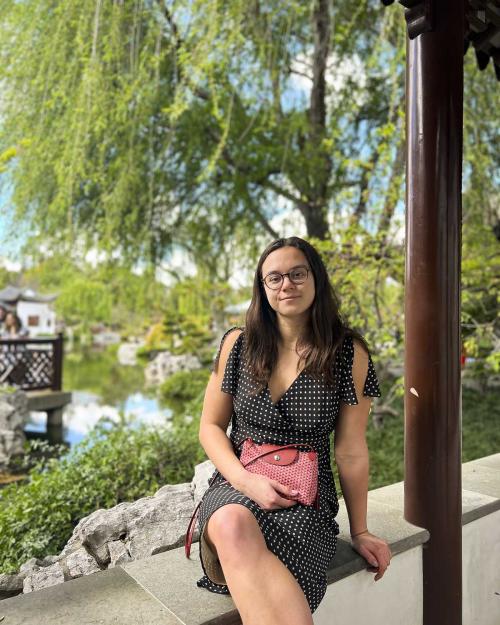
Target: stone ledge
(109, 597)
(386, 521)
(170, 577)
(47, 399)
(483, 475)
(480, 490)
(164, 585)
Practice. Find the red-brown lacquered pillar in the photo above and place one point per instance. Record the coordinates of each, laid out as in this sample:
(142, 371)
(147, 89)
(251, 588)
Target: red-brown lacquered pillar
(434, 101)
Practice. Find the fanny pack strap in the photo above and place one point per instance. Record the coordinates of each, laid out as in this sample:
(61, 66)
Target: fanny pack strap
(279, 448)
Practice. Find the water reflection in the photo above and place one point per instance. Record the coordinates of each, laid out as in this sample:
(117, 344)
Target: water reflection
(101, 387)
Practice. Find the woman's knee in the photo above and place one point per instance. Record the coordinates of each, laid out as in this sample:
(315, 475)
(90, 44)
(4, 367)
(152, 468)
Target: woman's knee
(232, 526)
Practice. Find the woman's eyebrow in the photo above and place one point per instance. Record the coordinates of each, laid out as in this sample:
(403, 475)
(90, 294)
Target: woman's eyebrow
(291, 268)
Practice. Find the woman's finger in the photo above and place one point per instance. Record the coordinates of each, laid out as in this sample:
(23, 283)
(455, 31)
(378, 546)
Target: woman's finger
(369, 556)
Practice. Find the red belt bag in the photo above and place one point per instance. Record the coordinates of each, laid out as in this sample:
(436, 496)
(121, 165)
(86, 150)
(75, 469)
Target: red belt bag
(284, 463)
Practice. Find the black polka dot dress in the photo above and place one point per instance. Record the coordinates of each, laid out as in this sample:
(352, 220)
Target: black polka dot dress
(303, 538)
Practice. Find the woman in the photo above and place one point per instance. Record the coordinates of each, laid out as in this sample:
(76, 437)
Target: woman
(13, 327)
(295, 373)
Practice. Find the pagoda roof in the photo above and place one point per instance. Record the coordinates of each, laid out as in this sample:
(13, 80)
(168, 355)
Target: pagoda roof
(482, 27)
(12, 294)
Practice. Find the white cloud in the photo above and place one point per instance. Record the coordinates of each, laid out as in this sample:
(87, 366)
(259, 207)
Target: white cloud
(93, 256)
(338, 72)
(289, 223)
(10, 265)
(398, 230)
(178, 262)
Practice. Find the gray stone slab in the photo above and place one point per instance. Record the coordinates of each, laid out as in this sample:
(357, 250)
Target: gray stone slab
(388, 523)
(492, 461)
(46, 399)
(346, 562)
(106, 598)
(391, 495)
(476, 505)
(171, 578)
(481, 479)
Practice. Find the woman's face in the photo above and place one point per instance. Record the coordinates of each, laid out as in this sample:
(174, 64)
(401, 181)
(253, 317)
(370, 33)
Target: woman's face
(289, 300)
(10, 322)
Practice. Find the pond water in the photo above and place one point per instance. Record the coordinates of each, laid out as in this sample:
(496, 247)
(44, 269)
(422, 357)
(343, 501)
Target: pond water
(101, 386)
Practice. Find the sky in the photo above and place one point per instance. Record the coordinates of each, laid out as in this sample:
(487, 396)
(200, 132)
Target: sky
(9, 246)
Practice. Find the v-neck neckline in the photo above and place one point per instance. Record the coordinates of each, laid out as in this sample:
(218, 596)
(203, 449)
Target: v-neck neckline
(287, 390)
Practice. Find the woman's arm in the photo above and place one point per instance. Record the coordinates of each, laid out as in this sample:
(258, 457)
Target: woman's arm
(351, 455)
(351, 450)
(214, 420)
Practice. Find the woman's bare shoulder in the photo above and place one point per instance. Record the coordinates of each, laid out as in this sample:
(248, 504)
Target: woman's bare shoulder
(228, 341)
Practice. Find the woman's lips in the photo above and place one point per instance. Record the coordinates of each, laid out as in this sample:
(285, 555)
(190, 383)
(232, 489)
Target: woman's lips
(287, 298)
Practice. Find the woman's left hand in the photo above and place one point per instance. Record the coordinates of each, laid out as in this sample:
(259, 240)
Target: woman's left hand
(374, 550)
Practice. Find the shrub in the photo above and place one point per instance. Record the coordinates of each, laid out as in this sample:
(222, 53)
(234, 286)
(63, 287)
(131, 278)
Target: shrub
(185, 385)
(117, 462)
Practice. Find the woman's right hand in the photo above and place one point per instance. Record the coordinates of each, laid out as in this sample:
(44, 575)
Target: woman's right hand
(269, 494)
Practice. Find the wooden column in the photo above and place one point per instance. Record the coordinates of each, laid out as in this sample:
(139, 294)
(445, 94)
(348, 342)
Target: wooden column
(58, 355)
(434, 100)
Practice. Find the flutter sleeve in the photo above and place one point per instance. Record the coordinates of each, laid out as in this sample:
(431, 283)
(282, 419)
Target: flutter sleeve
(347, 390)
(231, 372)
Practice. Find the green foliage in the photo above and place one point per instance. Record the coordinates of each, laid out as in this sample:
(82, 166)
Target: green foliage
(109, 293)
(7, 390)
(156, 340)
(480, 284)
(7, 277)
(370, 287)
(480, 437)
(480, 223)
(185, 386)
(149, 125)
(480, 419)
(115, 463)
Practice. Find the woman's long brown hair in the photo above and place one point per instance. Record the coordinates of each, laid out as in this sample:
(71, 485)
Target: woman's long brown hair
(322, 338)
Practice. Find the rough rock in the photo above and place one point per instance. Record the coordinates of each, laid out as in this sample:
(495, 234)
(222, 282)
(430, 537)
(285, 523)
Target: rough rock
(43, 578)
(127, 353)
(146, 526)
(165, 364)
(118, 553)
(80, 562)
(108, 538)
(202, 473)
(32, 565)
(13, 417)
(10, 585)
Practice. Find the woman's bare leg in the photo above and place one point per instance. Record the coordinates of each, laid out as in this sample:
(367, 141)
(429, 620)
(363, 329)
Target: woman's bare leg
(262, 588)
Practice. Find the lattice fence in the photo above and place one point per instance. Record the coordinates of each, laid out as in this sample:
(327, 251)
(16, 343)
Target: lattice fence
(31, 364)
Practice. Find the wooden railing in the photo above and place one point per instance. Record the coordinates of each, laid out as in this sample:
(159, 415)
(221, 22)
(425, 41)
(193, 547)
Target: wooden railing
(32, 363)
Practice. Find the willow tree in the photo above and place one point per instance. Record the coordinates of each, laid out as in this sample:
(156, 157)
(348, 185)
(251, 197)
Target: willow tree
(141, 125)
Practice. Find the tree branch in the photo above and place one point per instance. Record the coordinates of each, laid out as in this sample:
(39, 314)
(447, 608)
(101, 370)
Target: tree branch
(269, 184)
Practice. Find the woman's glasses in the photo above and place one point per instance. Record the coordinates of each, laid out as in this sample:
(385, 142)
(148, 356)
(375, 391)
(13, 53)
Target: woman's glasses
(274, 280)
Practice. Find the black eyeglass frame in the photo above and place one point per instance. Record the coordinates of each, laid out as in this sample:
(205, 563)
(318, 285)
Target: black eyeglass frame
(263, 280)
